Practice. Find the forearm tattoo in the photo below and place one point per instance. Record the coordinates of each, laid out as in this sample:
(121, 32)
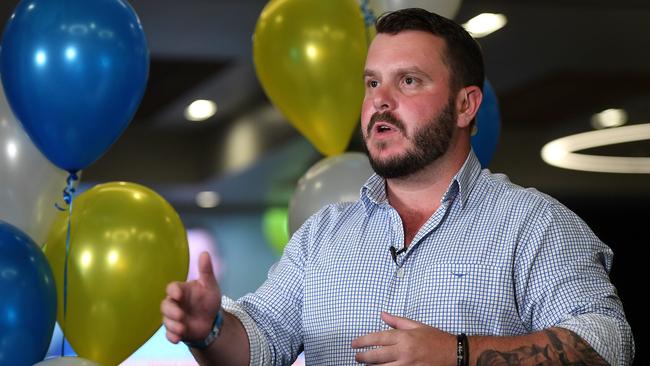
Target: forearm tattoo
(574, 352)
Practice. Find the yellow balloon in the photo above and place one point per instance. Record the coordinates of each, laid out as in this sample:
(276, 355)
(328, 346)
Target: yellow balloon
(309, 57)
(126, 244)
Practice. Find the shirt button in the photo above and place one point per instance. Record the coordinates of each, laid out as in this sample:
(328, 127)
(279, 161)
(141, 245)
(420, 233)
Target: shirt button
(400, 272)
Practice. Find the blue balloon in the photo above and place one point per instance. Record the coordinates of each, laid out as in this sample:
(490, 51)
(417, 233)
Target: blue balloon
(27, 299)
(74, 72)
(488, 124)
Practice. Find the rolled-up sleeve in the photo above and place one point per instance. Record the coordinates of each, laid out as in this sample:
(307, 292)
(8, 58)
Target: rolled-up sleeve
(272, 315)
(562, 280)
(259, 345)
(609, 336)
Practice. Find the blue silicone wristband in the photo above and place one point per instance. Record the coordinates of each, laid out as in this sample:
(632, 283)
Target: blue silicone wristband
(214, 333)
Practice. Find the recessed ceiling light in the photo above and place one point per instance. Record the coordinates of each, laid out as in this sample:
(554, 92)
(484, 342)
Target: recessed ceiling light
(208, 199)
(561, 152)
(200, 110)
(484, 24)
(609, 118)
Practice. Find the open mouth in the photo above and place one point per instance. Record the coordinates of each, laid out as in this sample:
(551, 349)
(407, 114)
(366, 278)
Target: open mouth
(383, 127)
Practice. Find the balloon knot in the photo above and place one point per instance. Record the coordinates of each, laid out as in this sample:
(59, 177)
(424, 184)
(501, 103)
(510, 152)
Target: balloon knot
(69, 191)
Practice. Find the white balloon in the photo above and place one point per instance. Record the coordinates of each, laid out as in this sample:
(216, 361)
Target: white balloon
(446, 8)
(335, 179)
(29, 183)
(66, 361)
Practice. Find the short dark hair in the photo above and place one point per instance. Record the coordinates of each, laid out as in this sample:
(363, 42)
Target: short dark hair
(462, 53)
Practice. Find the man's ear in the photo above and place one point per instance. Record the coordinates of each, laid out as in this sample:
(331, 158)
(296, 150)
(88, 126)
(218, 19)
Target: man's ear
(468, 101)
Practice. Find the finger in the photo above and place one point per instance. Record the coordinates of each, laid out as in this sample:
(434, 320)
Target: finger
(170, 309)
(175, 291)
(206, 274)
(398, 322)
(377, 356)
(172, 337)
(175, 328)
(384, 338)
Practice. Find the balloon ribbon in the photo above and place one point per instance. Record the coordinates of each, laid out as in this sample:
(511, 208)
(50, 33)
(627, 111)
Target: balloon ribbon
(68, 195)
(368, 18)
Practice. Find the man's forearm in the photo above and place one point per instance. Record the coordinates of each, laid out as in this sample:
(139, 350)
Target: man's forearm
(553, 346)
(230, 348)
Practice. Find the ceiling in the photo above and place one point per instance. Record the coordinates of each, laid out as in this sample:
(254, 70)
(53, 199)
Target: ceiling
(552, 66)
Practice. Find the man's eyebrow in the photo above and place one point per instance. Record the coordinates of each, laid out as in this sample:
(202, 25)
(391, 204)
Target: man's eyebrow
(410, 70)
(367, 73)
(400, 71)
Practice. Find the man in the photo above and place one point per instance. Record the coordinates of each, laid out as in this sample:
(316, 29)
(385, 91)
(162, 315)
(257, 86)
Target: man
(438, 262)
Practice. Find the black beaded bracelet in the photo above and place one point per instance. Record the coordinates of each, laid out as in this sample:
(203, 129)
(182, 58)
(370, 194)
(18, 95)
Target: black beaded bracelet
(462, 350)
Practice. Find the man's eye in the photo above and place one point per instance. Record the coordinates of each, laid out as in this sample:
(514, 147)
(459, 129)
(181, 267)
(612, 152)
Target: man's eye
(409, 80)
(373, 83)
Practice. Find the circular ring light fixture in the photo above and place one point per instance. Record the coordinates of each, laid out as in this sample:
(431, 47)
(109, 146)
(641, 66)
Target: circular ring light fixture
(561, 152)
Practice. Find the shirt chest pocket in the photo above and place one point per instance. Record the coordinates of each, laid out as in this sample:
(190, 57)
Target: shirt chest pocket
(462, 296)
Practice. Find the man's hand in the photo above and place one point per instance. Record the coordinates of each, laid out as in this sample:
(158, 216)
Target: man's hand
(408, 343)
(190, 307)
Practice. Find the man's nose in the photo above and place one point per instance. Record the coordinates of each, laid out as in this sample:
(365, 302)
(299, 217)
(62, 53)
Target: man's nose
(383, 99)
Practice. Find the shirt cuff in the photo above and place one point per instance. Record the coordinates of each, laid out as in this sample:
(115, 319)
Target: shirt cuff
(259, 345)
(602, 333)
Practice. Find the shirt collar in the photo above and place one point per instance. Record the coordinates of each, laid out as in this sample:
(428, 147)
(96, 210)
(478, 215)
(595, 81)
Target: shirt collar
(373, 192)
(467, 176)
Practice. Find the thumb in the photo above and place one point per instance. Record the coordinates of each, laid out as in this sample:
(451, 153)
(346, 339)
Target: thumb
(398, 322)
(206, 274)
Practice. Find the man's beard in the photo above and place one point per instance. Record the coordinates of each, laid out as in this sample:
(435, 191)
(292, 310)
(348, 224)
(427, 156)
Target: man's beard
(430, 142)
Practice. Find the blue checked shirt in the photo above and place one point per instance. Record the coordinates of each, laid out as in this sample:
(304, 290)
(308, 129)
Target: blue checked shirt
(494, 259)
